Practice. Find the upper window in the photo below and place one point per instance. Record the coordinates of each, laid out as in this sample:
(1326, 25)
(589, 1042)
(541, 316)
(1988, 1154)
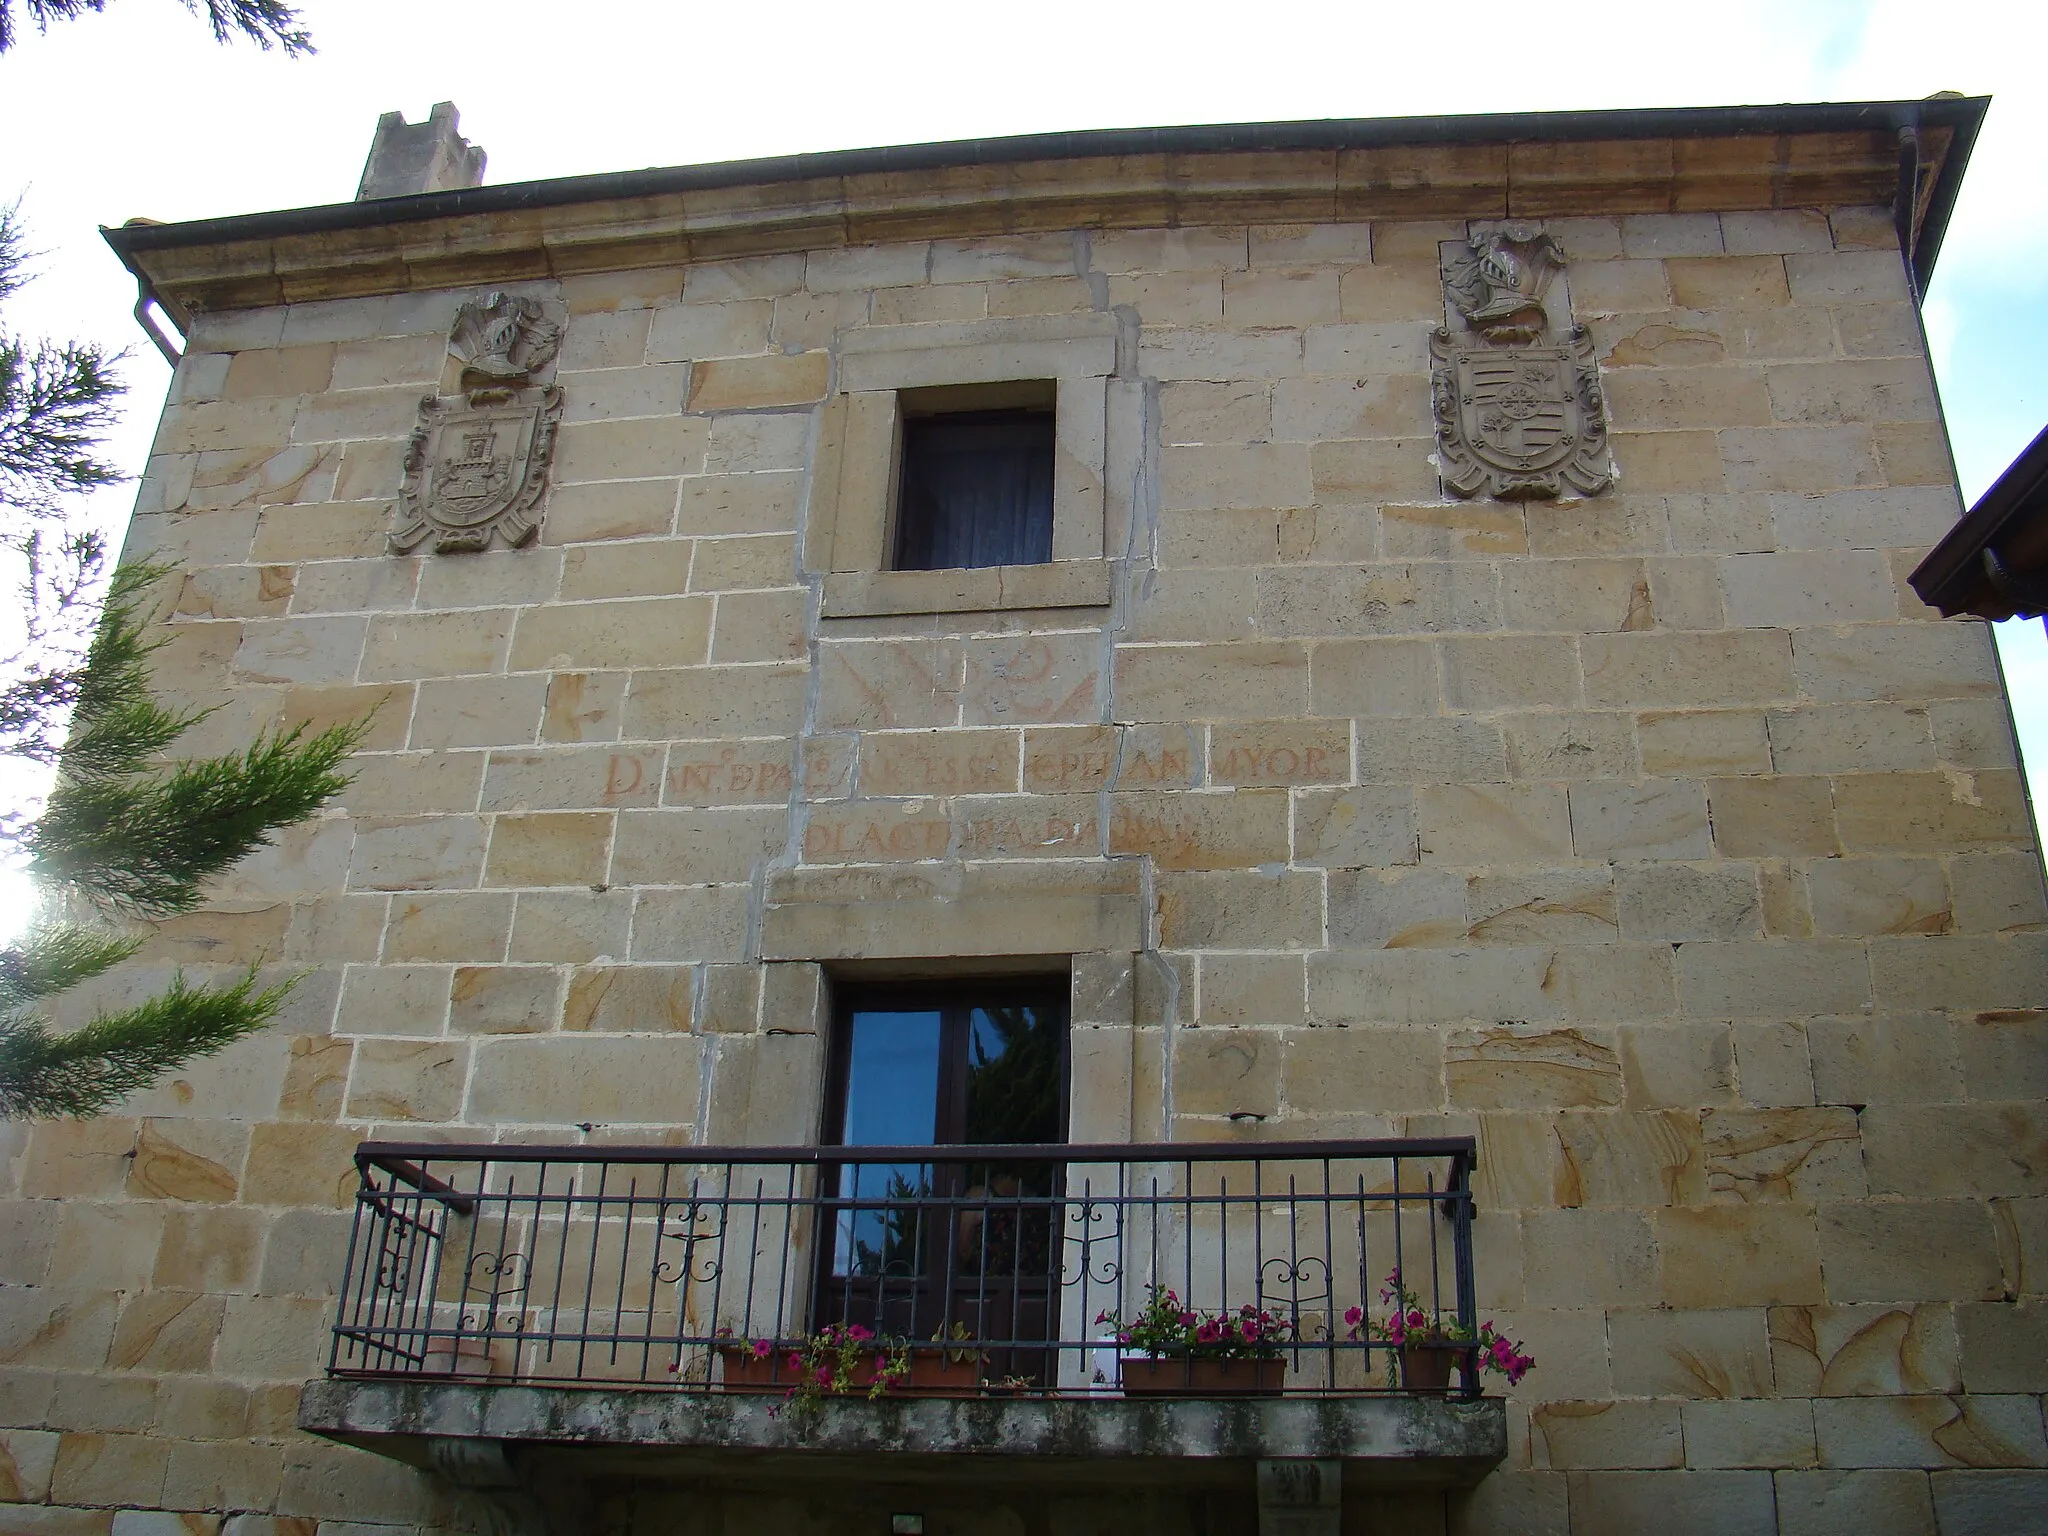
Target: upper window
(976, 490)
(964, 468)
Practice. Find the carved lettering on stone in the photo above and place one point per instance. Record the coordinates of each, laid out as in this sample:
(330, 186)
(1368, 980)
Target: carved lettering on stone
(1519, 412)
(476, 467)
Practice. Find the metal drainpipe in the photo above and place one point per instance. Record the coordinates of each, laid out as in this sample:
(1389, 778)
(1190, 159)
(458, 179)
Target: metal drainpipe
(146, 295)
(1906, 202)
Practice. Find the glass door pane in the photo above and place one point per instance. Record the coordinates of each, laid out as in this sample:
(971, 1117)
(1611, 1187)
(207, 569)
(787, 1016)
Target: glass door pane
(1013, 1075)
(892, 1100)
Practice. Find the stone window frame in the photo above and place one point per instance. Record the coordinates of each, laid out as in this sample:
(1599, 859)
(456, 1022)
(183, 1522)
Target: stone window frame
(853, 493)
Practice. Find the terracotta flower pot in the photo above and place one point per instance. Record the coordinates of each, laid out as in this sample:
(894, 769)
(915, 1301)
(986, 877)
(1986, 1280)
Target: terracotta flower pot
(1424, 1369)
(744, 1371)
(1192, 1376)
(943, 1373)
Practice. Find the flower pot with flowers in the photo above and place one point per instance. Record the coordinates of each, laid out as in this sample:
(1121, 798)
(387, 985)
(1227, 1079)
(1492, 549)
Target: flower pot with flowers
(949, 1366)
(839, 1359)
(1429, 1347)
(1171, 1349)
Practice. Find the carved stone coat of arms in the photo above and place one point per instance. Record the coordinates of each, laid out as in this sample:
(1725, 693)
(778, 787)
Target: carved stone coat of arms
(476, 467)
(1519, 413)
(1518, 423)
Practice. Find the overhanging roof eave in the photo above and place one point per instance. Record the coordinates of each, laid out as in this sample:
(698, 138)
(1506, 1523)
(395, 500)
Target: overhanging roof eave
(1962, 115)
(1952, 577)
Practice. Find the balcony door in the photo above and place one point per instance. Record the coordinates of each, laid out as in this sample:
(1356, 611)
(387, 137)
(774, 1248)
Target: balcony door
(919, 1248)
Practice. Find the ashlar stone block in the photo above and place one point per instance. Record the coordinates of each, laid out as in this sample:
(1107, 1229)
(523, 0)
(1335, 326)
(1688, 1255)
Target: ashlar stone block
(1227, 1072)
(1607, 1434)
(1746, 1255)
(408, 1080)
(1972, 1431)
(1432, 986)
(1703, 742)
(1625, 1158)
(1697, 1352)
(1864, 1502)
(1349, 1071)
(1517, 1066)
(1905, 1251)
(1582, 1258)
(1397, 908)
(1805, 1155)
(1878, 896)
(1656, 819)
(1492, 823)
(1367, 826)
(632, 1079)
(1682, 902)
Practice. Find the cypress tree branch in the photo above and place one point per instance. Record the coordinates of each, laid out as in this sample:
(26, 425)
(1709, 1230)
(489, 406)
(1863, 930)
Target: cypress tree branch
(141, 842)
(56, 957)
(91, 1069)
(263, 22)
(128, 836)
(123, 834)
(56, 401)
(145, 846)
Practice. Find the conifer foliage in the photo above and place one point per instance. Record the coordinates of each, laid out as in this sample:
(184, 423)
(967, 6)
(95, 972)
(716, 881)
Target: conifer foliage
(126, 836)
(263, 22)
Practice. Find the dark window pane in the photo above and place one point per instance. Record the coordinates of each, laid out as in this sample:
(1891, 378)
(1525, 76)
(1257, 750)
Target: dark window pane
(976, 491)
(1013, 1075)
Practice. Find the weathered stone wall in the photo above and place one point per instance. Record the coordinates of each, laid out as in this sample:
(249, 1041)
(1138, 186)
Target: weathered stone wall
(1661, 840)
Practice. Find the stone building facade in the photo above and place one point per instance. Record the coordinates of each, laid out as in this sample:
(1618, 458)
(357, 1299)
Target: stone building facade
(1658, 838)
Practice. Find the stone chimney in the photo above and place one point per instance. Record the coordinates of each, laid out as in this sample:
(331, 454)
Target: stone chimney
(420, 157)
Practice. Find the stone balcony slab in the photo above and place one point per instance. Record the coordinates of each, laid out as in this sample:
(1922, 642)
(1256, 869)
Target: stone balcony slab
(601, 1433)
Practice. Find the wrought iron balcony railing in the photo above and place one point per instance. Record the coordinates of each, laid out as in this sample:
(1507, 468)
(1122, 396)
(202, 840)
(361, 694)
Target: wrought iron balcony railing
(662, 1267)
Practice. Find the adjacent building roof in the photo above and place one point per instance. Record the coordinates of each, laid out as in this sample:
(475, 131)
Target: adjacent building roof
(1908, 155)
(1994, 563)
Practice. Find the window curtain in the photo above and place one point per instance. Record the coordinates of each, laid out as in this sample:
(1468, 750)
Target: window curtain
(975, 493)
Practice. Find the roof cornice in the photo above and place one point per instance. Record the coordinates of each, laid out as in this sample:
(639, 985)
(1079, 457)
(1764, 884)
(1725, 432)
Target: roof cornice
(1521, 165)
(2010, 521)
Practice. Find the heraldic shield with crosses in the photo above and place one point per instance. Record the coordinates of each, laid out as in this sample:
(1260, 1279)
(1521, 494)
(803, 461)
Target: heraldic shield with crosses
(1515, 420)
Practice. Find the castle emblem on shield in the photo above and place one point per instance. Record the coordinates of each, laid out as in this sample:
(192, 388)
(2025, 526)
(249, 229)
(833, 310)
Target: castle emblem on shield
(476, 467)
(1519, 412)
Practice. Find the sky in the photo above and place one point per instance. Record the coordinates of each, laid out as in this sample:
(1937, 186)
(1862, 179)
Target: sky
(137, 112)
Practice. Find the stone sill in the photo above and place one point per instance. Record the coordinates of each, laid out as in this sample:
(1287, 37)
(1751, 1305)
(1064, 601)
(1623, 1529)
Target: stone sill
(1392, 1438)
(991, 589)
